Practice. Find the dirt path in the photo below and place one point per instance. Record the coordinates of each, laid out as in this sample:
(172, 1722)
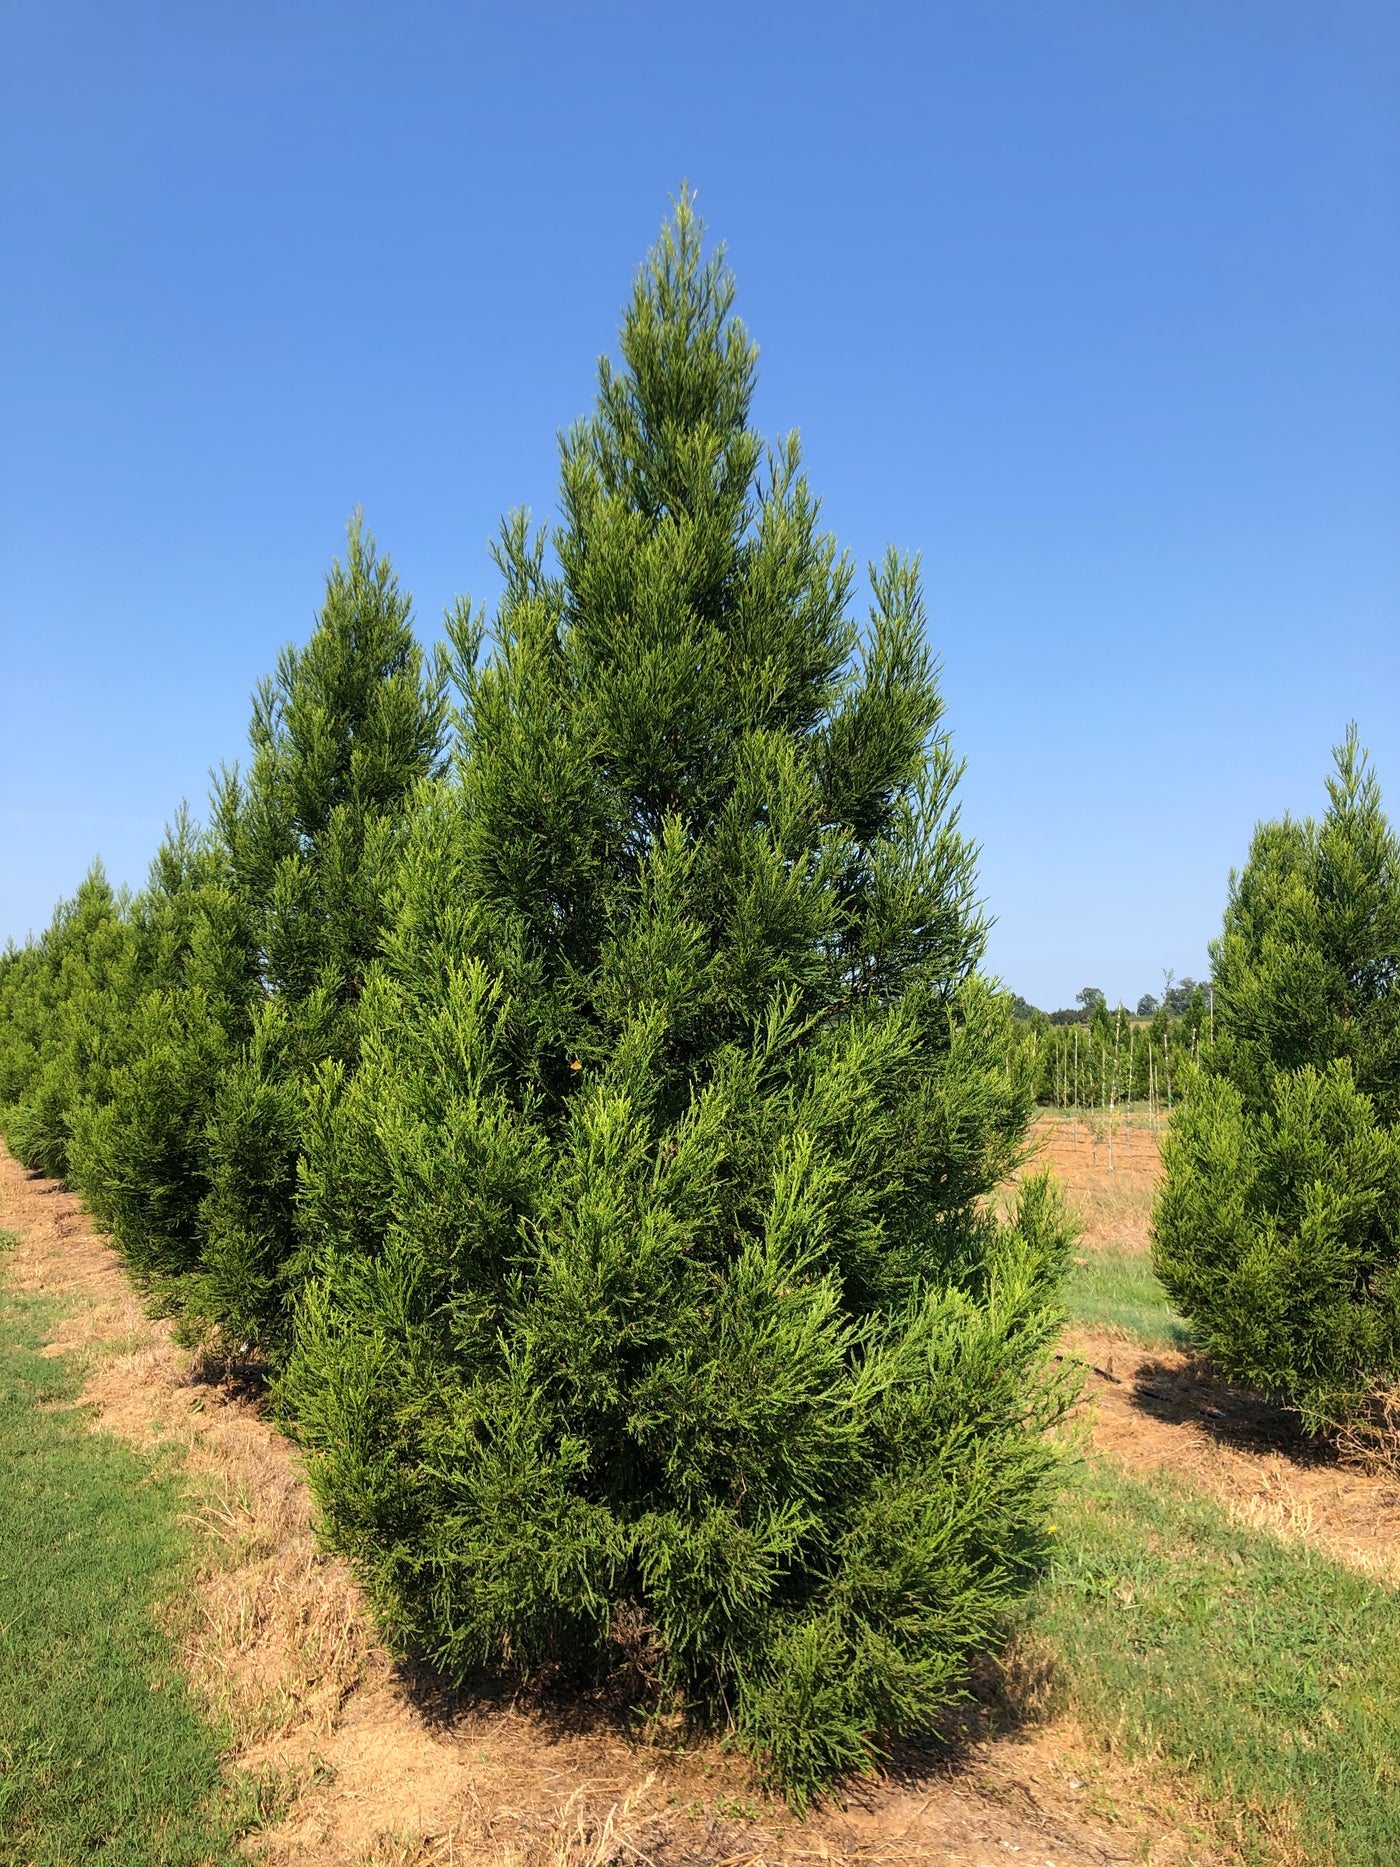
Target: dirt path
(278, 1642)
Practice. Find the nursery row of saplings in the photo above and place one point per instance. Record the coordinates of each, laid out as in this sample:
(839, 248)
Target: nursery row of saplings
(563, 1063)
(1114, 1064)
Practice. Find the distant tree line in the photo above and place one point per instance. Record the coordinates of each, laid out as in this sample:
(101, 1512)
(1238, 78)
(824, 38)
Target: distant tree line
(1176, 1000)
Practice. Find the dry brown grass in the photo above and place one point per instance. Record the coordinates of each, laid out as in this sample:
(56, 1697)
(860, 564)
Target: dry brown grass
(1165, 1411)
(1114, 1208)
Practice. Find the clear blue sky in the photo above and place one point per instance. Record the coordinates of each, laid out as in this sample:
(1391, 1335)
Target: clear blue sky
(1094, 302)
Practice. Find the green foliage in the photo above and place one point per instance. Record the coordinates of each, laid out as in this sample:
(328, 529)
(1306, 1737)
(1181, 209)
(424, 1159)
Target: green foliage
(659, 1326)
(156, 1052)
(341, 738)
(256, 936)
(601, 1138)
(1276, 1234)
(1114, 1058)
(1307, 968)
(341, 735)
(1278, 1226)
(102, 1756)
(64, 1002)
(140, 1155)
(1265, 1670)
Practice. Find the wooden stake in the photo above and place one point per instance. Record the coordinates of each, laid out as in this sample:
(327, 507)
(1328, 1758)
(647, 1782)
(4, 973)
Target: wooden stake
(1132, 1045)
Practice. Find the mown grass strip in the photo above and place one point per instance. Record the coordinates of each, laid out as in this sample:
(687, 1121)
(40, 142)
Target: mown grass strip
(1268, 1673)
(1115, 1292)
(103, 1756)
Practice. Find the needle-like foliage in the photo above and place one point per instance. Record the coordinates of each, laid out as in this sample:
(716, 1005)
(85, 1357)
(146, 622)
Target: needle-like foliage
(660, 1327)
(64, 1002)
(1278, 1226)
(266, 925)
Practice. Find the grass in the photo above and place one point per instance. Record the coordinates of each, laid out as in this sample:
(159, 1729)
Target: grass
(103, 1757)
(1111, 1289)
(1115, 1292)
(1268, 1674)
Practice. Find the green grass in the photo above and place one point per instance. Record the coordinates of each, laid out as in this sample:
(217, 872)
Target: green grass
(1116, 1291)
(1269, 1674)
(103, 1756)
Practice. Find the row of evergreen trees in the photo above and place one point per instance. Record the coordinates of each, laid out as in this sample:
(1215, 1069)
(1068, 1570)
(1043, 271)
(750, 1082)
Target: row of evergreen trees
(586, 1102)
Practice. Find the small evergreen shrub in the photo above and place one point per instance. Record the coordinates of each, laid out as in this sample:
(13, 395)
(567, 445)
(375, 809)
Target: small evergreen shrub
(658, 1325)
(1277, 1229)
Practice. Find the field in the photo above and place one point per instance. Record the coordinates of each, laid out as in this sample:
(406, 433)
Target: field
(1207, 1675)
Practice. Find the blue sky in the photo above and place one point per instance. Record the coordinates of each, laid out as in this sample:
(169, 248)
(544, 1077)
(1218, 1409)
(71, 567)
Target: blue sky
(1096, 303)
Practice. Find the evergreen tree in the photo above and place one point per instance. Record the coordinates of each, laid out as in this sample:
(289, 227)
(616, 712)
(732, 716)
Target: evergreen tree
(341, 736)
(197, 1165)
(1307, 968)
(139, 1154)
(64, 1001)
(661, 1325)
(1278, 1226)
(1101, 1024)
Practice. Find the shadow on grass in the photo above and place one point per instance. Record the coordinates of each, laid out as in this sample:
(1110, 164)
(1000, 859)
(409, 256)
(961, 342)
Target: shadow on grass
(1008, 1691)
(1190, 1392)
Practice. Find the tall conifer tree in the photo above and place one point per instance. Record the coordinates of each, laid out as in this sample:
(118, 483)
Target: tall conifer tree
(198, 1162)
(1278, 1224)
(661, 1324)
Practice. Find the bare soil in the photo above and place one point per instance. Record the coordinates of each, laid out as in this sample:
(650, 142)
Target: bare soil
(1111, 1192)
(385, 1769)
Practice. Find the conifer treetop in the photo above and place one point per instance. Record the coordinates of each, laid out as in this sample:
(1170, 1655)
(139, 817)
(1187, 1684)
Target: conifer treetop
(1307, 966)
(688, 669)
(343, 717)
(341, 735)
